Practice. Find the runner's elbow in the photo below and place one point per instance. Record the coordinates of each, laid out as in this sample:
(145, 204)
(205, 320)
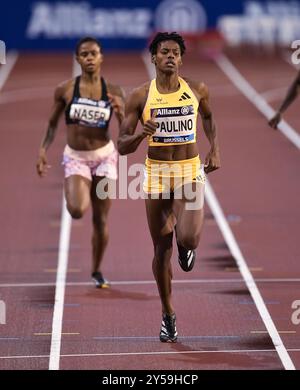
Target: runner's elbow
(121, 147)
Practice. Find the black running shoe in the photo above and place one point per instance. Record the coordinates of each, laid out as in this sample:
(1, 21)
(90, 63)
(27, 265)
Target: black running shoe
(99, 280)
(186, 258)
(168, 332)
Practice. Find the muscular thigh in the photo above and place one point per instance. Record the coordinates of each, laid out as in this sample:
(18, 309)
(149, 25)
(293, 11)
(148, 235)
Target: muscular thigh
(160, 218)
(77, 191)
(101, 195)
(188, 208)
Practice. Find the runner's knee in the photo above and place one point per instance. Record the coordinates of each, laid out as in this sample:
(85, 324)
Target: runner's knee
(75, 211)
(188, 241)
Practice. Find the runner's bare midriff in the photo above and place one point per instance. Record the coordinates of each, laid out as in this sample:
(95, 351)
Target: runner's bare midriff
(86, 138)
(173, 153)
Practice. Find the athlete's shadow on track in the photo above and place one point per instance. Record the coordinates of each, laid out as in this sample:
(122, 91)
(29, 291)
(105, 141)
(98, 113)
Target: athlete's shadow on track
(225, 262)
(226, 360)
(113, 293)
(43, 297)
(238, 291)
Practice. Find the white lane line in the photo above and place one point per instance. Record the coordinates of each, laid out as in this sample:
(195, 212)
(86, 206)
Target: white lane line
(232, 244)
(63, 254)
(248, 278)
(152, 353)
(64, 243)
(255, 98)
(143, 353)
(146, 282)
(5, 70)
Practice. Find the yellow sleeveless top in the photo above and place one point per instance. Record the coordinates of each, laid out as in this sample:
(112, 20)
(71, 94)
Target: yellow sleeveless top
(176, 115)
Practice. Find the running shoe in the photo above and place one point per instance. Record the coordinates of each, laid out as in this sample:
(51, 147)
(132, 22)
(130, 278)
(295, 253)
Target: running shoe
(168, 332)
(99, 280)
(186, 258)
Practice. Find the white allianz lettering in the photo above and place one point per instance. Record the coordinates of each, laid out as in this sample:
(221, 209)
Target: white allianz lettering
(167, 111)
(75, 19)
(88, 101)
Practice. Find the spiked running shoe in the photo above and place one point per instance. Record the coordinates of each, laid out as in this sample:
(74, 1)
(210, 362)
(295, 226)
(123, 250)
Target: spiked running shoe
(99, 280)
(168, 332)
(186, 258)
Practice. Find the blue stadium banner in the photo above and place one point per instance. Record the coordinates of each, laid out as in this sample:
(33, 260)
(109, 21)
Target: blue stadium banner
(127, 25)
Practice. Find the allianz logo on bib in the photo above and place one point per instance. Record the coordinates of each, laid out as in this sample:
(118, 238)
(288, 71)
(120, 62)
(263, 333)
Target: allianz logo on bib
(173, 111)
(91, 102)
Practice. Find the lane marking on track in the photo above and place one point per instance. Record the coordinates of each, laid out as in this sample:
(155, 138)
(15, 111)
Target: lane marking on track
(63, 334)
(5, 70)
(63, 254)
(70, 270)
(245, 351)
(235, 269)
(151, 282)
(280, 331)
(255, 98)
(61, 276)
(247, 276)
(253, 303)
(171, 352)
(9, 338)
(120, 354)
(154, 338)
(56, 223)
(219, 216)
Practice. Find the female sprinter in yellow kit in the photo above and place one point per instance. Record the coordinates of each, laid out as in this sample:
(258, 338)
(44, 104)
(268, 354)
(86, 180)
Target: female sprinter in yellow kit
(167, 108)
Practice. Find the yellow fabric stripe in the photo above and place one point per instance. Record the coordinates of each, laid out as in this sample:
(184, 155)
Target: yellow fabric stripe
(181, 168)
